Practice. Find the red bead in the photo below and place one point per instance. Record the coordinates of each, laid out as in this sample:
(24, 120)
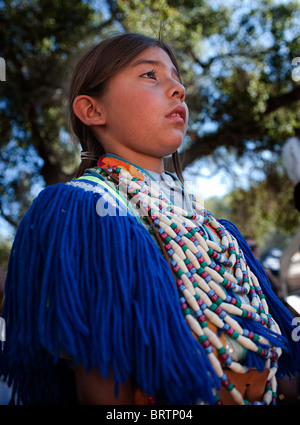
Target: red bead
(230, 331)
(217, 268)
(223, 357)
(190, 266)
(201, 318)
(181, 243)
(226, 383)
(218, 310)
(179, 282)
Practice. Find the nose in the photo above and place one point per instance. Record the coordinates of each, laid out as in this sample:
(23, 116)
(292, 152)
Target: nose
(178, 91)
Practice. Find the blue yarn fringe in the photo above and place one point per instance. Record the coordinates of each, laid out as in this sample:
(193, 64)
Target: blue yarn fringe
(98, 289)
(289, 362)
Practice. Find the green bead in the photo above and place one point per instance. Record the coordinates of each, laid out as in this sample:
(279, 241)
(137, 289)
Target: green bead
(225, 281)
(173, 226)
(187, 261)
(235, 335)
(202, 338)
(230, 387)
(221, 350)
(179, 273)
(244, 314)
(222, 271)
(210, 251)
(213, 306)
(168, 239)
(219, 301)
(184, 248)
(186, 311)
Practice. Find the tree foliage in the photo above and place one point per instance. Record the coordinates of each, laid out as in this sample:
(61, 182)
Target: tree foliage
(236, 62)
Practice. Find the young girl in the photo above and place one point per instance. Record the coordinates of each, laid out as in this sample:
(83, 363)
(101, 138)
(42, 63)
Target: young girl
(121, 288)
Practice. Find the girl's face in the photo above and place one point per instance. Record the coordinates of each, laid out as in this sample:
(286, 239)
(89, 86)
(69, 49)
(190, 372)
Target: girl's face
(145, 115)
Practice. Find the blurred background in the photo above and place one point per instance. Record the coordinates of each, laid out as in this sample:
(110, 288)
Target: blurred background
(240, 63)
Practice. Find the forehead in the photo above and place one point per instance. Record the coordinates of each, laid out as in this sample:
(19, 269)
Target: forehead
(155, 56)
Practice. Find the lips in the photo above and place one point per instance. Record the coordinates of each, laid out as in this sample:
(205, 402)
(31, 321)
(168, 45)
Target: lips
(179, 112)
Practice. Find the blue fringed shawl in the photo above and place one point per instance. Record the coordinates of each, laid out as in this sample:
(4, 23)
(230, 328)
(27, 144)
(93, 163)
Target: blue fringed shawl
(98, 289)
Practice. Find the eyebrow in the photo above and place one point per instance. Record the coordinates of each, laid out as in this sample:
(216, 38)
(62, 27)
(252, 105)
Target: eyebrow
(156, 63)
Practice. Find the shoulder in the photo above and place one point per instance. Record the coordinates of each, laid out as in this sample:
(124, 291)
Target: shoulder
(102, 198)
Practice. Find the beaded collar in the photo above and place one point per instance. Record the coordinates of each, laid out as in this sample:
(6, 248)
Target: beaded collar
(210, 276)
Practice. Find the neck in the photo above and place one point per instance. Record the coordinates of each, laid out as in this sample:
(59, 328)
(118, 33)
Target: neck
(143, 161)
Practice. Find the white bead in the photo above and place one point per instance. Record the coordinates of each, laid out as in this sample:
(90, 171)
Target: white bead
(189, 244)
(204, 297)
(268, 397)
(194, 325)
(188, 284)
(215, 364)
(272, 372)
(247, 343)
(177, 249)
(213, 318)
(214, 340)
(237, 367)
(233, 324)
(237, 396)
(190, 300)
(169, 231)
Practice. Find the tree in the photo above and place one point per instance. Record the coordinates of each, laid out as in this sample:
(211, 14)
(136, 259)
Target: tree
(236, 62)
(256, 210)
(40, 39)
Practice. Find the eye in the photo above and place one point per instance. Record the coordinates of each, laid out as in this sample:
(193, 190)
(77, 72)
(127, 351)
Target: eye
(150, 74)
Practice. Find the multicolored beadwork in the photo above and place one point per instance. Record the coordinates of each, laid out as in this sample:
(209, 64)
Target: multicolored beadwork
(204, 271)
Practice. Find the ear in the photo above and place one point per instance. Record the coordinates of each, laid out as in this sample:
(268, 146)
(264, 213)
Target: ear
(88, 110)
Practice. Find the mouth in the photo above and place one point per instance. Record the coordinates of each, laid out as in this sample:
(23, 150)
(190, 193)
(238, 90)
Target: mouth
(178, 114)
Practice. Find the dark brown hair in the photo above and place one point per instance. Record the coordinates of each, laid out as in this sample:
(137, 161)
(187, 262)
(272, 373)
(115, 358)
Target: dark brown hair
(90, 76)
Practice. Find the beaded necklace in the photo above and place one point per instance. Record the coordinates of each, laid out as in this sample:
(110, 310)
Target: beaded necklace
(206, 273)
